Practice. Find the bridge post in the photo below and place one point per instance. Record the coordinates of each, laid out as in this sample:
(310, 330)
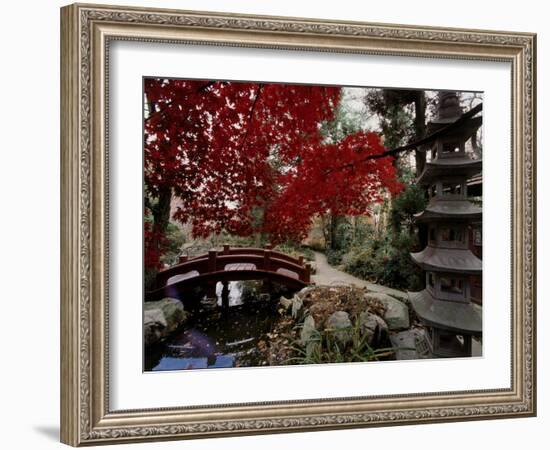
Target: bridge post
(225, 294)
(269, 246)
(183, 258)
(266, 285)
(301, 260)
(307, 274)
(212, 254)
(226, 249)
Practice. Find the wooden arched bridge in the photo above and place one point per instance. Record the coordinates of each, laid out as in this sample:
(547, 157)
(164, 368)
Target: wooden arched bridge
(230, 264)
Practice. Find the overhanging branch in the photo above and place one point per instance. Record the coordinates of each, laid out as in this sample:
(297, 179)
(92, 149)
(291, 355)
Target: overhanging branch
(428, 139)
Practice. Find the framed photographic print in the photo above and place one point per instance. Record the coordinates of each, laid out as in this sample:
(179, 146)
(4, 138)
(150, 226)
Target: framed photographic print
(278, 225)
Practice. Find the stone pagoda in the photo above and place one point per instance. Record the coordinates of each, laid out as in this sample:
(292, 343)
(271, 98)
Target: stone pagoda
(445, 305)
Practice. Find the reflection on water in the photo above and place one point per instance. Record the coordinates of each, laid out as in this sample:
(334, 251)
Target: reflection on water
(218, 337)
(235, 293)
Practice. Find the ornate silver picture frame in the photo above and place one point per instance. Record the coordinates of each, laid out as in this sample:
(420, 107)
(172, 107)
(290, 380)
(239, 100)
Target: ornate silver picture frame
(87, 415)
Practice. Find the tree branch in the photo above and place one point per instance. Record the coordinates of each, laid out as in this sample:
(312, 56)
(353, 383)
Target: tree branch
(250, 116)
(428, 139)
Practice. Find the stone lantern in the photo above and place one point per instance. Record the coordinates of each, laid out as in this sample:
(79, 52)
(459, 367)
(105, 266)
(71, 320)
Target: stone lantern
(445, 305)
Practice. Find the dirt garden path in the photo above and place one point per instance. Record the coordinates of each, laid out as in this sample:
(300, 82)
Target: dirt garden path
(328, 275)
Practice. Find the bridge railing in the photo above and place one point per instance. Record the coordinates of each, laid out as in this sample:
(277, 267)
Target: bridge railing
(216, 261)
(228, 250)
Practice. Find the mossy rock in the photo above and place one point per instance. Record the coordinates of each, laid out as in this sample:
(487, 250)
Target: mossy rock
(397, 312)
(162, 318)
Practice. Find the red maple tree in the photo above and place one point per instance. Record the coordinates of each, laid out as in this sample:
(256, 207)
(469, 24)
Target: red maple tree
(227, 149)
(340, 179)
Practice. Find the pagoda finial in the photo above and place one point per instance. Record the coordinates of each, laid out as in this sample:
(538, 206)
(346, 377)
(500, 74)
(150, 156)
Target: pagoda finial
(448, 105)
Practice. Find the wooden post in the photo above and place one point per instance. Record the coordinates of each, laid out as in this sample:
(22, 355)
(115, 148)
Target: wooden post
(225, 294)
(269, 246)
(212, 254)
(307, 274)
(226, 249)
(301, 260)
(267, 261)
(183, 258)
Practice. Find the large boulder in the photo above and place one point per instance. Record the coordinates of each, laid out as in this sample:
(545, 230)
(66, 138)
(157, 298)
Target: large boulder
(162, 318)
(397, 313)
(154, 325)
(340, 323)
(374, 328)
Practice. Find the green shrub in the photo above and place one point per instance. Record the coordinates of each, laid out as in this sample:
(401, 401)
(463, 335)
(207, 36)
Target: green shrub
(396, 268)
(334, 257)
(363, 231)
(296, 250)
(343, 235)
(175, 240)
(360, 262)
(386, 261)
(405, 205)
(233, 240)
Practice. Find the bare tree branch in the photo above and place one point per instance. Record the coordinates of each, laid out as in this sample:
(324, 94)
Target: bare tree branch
(428, 139)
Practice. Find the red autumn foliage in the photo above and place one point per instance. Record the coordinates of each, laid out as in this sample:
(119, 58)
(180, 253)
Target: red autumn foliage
(336, 178)
(227, 149)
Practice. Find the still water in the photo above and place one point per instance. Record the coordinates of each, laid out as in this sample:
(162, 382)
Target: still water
(216, 337)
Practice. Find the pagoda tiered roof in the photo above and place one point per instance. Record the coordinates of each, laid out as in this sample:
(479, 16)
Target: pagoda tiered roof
(455, 260)
(447, 311)
(449, 209)
(454, 316)
(466, 129)
(461, 166)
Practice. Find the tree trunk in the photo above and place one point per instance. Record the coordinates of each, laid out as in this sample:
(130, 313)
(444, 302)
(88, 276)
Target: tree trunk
(333, 232)
(335, 221)
(161, 216)
(324, 227)
(420, 129)
(161, 211)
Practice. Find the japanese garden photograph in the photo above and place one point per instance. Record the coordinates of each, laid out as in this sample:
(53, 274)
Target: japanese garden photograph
(288, 224)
